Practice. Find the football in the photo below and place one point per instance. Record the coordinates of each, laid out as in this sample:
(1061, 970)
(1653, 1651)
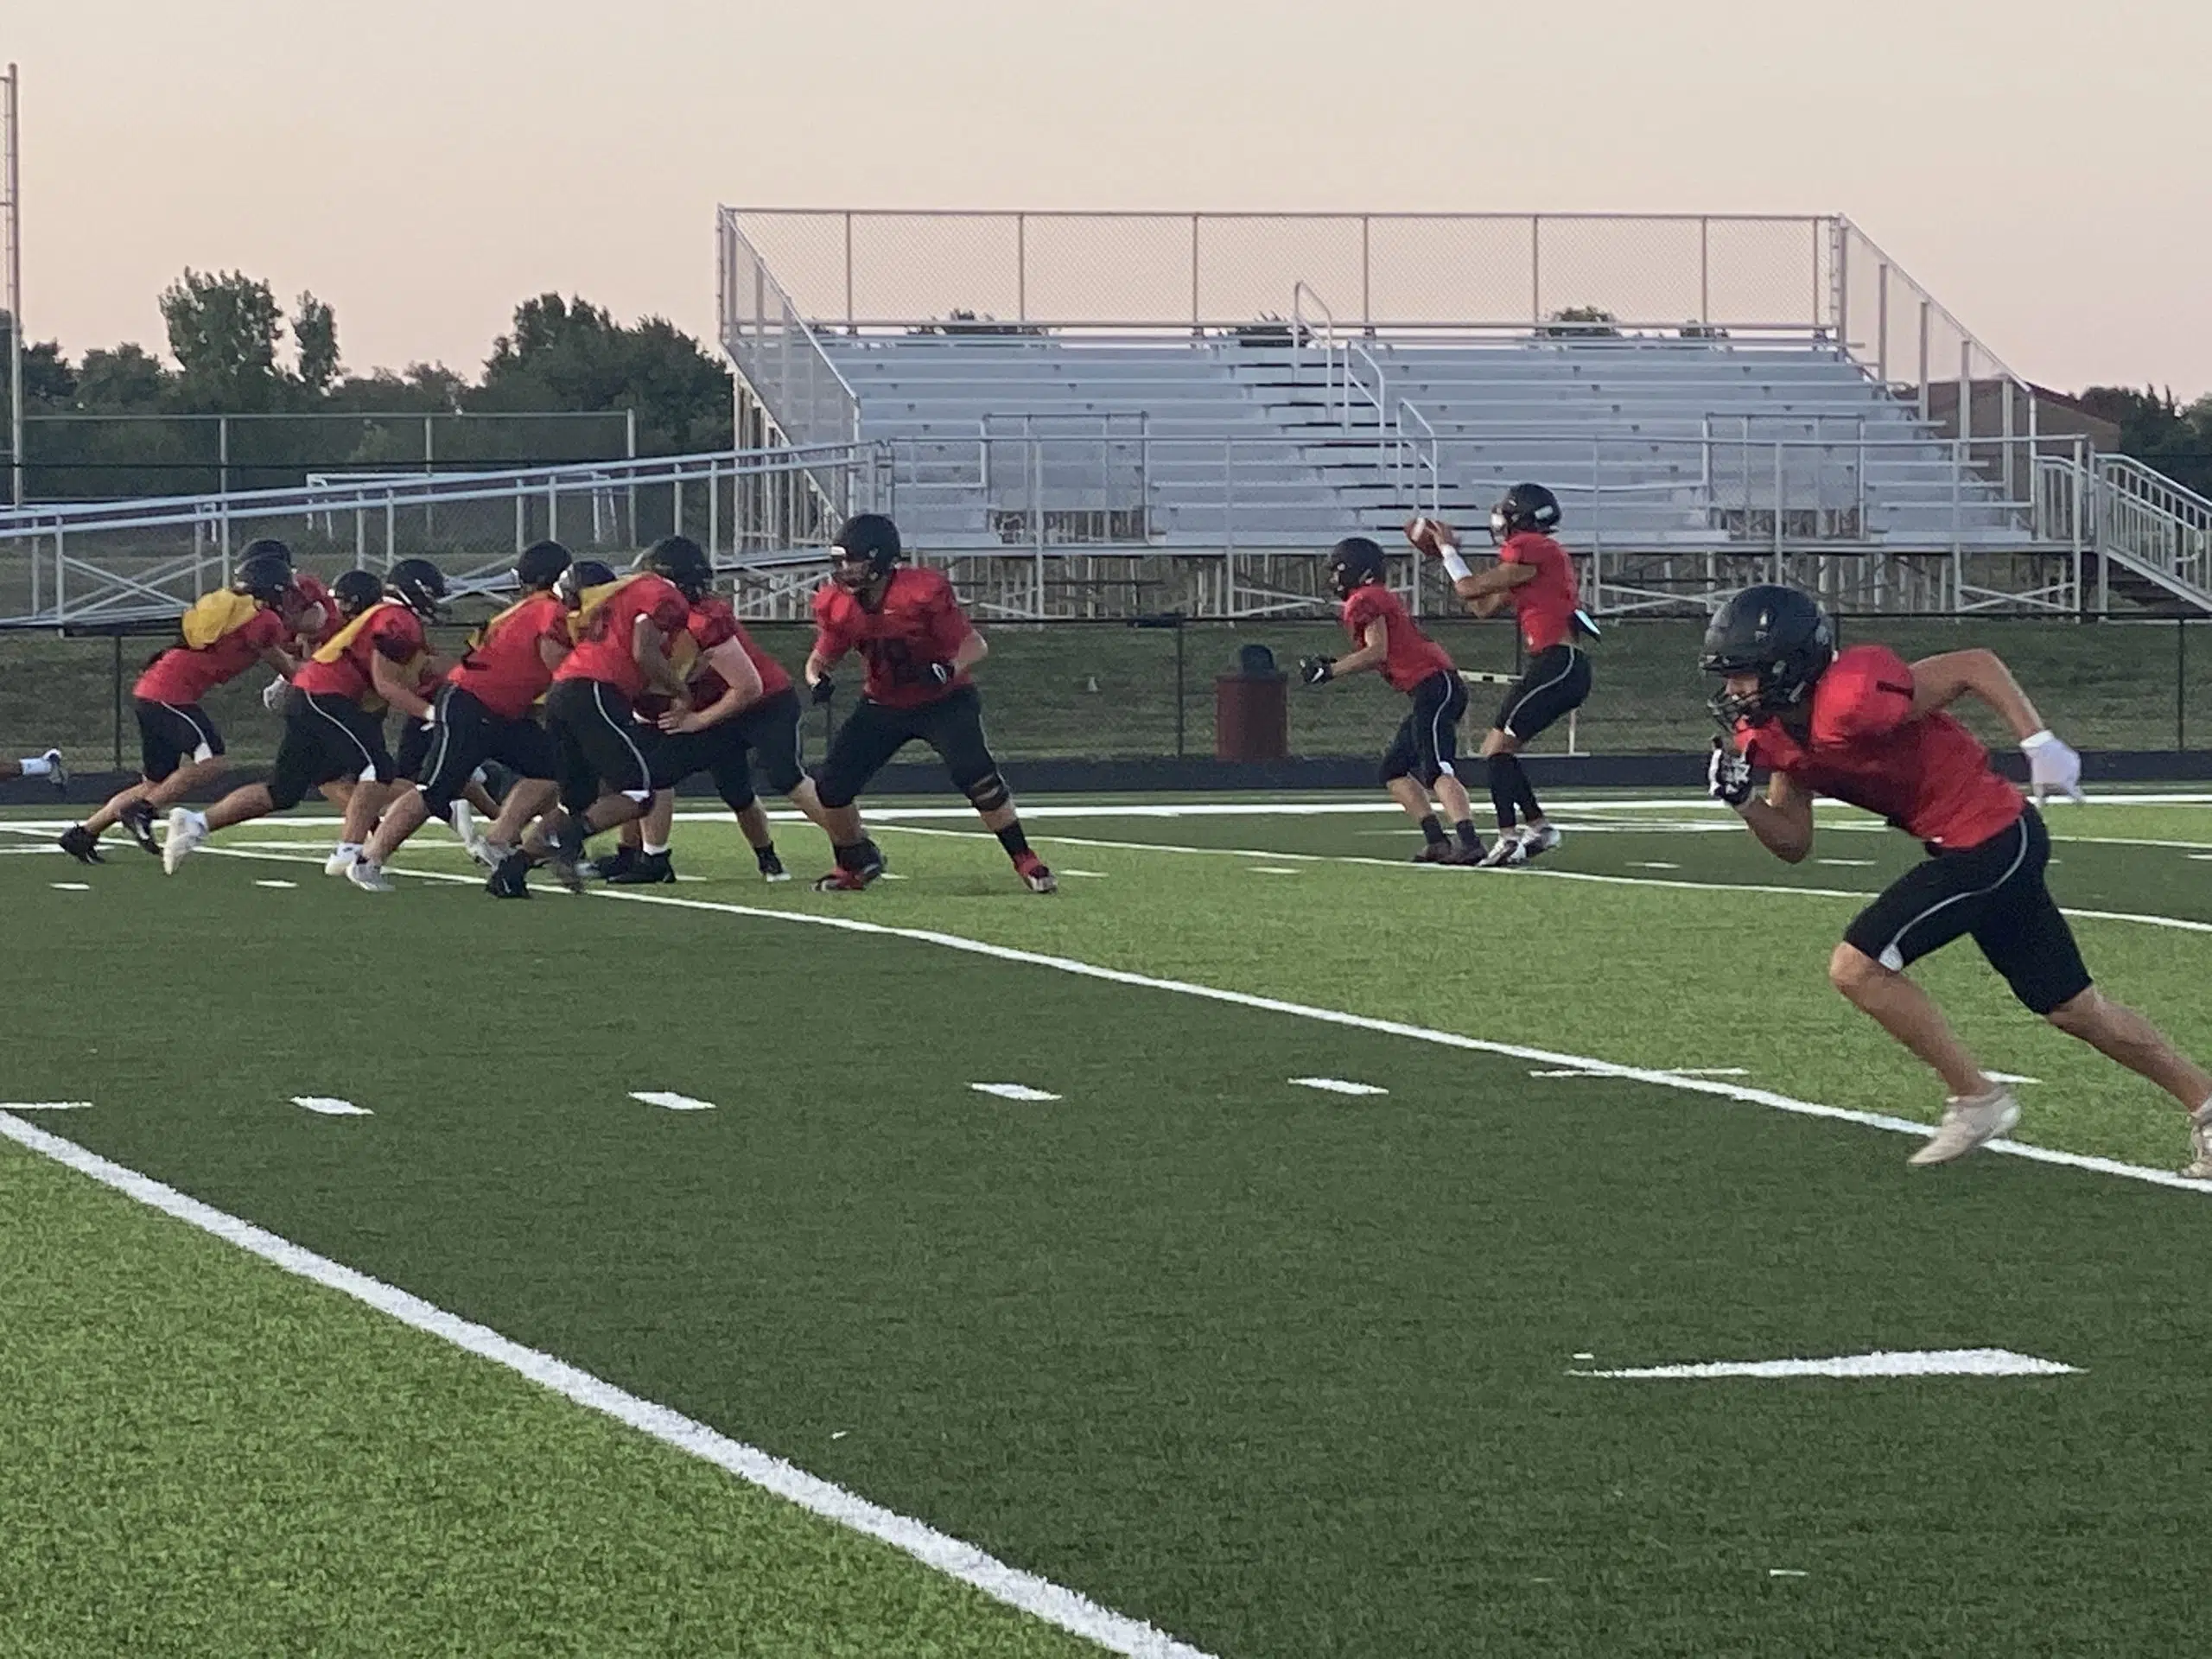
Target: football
(1426, 534)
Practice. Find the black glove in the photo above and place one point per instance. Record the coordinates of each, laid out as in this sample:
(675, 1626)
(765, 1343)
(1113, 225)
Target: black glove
(1727, 774)
(941, 673)
(824, 689)
(1317, 670)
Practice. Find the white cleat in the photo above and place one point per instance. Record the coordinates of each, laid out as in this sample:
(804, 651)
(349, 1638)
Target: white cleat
(2199, 1167)
(465, 826)
(368, 877)
(1535, 843)
(186, 831)
(339, 862)
(1508, 850)
(1968, 1123)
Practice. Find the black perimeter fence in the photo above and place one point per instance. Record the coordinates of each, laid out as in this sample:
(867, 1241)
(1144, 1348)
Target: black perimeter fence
(1123, 691)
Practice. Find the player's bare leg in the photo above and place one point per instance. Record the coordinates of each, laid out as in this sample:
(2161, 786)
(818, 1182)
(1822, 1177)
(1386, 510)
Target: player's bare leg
(1978, 1110)
(2119, 1033)
(406, 815)
(137, 807)
(1452, 796)
(559, 837)
(529, 799)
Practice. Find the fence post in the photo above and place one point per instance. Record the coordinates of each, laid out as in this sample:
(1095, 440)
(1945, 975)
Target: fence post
(2181, 683)
(116, 640)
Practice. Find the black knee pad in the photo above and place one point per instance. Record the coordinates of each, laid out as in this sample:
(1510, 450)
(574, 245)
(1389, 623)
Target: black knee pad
(989, 792)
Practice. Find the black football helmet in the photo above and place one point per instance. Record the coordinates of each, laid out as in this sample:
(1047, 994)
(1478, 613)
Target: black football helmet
(540, 566)
(1779, 633)
(264, 576)
(680, 560)
(1524, 507)
(584, 573)
(417, 584)
(355, 591)
(266, 547)
(866, 549)
(1354, 563)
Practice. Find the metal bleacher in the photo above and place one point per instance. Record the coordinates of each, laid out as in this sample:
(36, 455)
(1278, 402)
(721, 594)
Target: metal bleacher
(1701, 392)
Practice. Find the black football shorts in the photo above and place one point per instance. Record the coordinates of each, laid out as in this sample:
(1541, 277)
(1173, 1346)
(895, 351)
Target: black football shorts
(1427, 746)
(1553, 686)
(1994, 892)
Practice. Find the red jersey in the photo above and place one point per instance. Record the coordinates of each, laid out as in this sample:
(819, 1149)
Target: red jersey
(714, 623)
(917, 622)
(503, 668)
(1413, 657)
(340, 666)
(1929, 777)
(605, 629)
(1545, 607)
(186, 673)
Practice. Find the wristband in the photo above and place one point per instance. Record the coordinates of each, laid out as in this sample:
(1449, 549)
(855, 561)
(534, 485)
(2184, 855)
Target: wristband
(1455, 566)
(2034, 740)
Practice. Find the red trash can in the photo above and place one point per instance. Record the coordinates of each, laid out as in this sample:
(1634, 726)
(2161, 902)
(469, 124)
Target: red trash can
(1251, 709)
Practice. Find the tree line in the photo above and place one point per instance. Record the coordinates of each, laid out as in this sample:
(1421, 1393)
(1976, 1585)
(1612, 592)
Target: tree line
(234, 350)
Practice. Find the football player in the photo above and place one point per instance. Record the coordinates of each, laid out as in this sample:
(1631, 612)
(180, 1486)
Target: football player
(742, 706)
(224, 634)
(48, 765)
(1534, 575)
(481, 711)
(1421, 758)
(334, 715)
(918, 646)
(1864, 725)
(623, 629)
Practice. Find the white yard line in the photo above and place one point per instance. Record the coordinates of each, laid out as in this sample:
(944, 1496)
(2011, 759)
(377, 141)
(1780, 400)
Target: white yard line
(1020, 1091)
(1915, 1362)
(1662, 1078)
(329, 1106)
(1037, 1597)
(672, 1102)
(1532, 870)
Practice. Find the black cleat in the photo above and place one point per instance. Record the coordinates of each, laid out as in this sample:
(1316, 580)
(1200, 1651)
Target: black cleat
(772, 868)
(81, 844)
(137, 819)
(511, 879)
(647, 870)
(613, 867)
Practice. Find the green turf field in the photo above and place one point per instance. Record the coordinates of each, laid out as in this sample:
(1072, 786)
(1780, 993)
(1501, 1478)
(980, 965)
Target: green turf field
(1272, 1367)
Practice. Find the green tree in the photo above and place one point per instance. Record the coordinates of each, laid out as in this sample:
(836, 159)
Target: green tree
(314, 339)
(2158, 432)
(563, 354)
(129, 379)
(224, 329)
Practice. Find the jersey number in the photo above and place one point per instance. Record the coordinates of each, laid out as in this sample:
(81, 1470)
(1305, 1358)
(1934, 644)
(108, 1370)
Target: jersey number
(893, 660)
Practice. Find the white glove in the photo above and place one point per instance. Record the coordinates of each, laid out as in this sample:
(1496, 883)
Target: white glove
(272, 694)
(1727, 774)
(2053, 769)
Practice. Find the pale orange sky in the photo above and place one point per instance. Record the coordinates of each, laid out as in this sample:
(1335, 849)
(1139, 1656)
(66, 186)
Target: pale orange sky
(424, 166)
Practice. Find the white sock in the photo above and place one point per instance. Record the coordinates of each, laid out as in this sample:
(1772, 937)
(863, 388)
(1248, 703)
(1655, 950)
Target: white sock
(2203, 1114)
(36, 766)
(197, 820)
(652, 851)
(346, 846)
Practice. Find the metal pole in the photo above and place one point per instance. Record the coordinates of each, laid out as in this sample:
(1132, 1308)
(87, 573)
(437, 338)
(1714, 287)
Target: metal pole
(1194, 273)
(1181, 688)
(10, 139)
(1536, 268)
(1366, 322)
(116, 640)
(1022, 267)
(1923, 376)
(1704, 270)
(849, 294)
(629, 455)
(2181, 683)
(223, 466)
(1882, 323)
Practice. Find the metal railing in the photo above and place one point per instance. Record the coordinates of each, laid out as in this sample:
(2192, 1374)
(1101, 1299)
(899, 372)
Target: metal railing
(874, 270)
(778, 356)
(90, 562)
(2155, 524)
